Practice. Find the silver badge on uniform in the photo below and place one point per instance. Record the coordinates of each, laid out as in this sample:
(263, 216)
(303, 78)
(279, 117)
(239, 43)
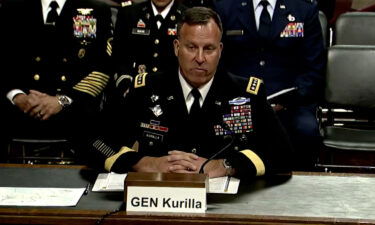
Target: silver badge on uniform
(157, 110)
(291, 18)
(154, 98)
(239, 101)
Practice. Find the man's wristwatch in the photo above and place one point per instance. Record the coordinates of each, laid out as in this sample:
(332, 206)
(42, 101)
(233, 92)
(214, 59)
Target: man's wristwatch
(64, 100)
(228, 167)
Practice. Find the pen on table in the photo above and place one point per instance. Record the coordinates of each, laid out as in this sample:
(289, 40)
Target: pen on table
(87, 189)
(227, 184)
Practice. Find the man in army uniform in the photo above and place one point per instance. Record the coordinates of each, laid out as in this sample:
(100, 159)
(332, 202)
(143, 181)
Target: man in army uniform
(175, 121)
(60, 52)
(143, 39)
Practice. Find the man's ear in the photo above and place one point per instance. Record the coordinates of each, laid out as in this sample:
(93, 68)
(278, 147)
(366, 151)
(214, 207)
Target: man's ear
(176, 46)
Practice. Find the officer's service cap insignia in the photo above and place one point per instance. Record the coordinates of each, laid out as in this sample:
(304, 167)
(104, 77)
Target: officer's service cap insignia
(140, 80)
(253, 85)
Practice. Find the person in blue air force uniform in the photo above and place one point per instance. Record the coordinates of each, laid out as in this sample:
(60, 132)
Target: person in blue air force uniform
(56, 65)
(281, 42)
(176, 120)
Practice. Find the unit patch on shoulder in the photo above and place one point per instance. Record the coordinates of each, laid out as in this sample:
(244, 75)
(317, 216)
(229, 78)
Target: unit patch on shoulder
(253, 85)
(140, 80)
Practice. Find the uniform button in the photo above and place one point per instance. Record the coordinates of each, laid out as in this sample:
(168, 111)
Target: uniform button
(155, 69)
(36, 77)
(194, 150)
(262, 63)
(236, 148)
(63, 78)
(58, 89)
(156, 54)
(156, 41)
(65, 60)
(151, 143)
(37, 59)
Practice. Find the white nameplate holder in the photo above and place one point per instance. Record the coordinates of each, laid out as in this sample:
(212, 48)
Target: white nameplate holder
(166, 192)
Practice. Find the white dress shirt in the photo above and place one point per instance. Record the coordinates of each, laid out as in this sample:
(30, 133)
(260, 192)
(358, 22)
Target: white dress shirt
(164, 13)
(46, 8)
(188, 96)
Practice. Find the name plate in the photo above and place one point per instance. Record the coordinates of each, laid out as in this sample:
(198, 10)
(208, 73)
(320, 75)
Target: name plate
(165, 192)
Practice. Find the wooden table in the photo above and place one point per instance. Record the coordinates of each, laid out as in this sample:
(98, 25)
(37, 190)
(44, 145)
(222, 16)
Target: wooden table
(305, 198)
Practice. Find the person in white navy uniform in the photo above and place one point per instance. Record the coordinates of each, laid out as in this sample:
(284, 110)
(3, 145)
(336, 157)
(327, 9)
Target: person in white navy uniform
(56, 65)
(174, 121)
(282, 44)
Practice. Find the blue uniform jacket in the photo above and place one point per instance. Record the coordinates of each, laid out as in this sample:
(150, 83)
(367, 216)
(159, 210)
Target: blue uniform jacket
(293, 56)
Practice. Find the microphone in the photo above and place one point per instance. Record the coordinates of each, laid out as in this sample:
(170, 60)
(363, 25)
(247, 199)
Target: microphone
(230, 136)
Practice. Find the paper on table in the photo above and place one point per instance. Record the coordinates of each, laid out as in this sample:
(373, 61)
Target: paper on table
(224, 185)
(107, 182)
(22, 196)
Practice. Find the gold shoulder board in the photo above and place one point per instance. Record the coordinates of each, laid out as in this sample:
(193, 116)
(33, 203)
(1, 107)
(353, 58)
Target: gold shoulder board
(253, 85)
(140, 80)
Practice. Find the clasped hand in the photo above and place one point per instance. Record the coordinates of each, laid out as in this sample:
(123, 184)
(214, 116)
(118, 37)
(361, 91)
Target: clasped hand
(180, 162)
(38, 105)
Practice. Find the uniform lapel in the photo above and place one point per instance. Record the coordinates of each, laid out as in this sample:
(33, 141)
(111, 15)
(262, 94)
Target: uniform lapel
(215, 100)
(170, 18)
(279, 19)
(174, 97)
(246, 15)
(36, 11)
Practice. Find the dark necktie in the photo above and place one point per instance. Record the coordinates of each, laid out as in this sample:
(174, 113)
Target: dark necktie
(264, 20)
(195, 108)
(52, 15)
(159, 18)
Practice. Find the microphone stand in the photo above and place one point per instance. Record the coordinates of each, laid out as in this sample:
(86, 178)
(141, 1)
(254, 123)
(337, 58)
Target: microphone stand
(231, 136)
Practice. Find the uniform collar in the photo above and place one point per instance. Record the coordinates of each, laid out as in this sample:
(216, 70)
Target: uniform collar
(165, 12)
(186, 87)
(272, 3)
(45, 5)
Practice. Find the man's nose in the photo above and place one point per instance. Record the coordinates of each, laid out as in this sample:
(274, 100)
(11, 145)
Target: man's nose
(200, 57)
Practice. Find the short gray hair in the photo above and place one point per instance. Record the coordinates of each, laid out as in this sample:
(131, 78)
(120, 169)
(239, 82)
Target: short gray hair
(199, 16)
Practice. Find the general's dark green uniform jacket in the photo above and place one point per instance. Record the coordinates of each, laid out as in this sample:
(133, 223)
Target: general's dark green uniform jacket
(155, 115)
